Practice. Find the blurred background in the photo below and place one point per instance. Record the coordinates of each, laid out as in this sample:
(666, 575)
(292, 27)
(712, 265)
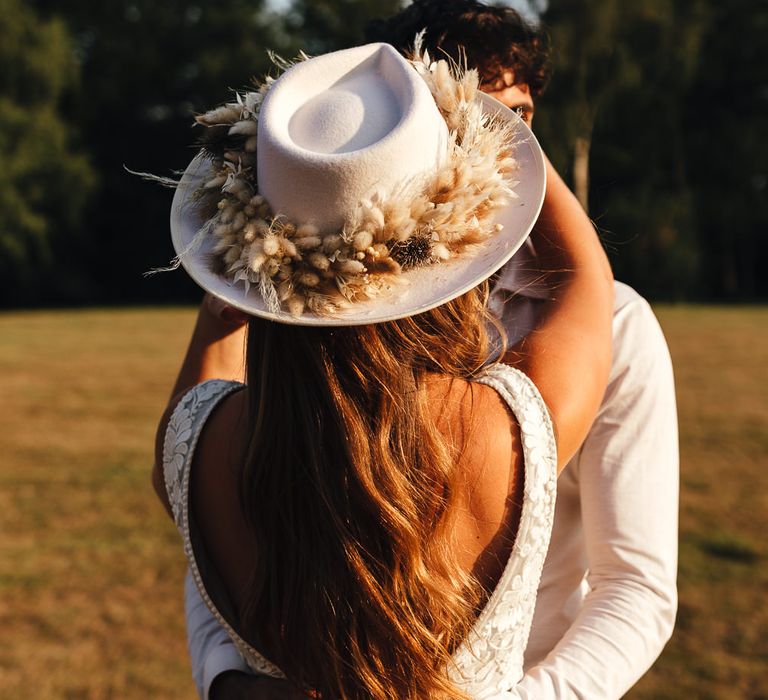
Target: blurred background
(662, 108)
(668, 99)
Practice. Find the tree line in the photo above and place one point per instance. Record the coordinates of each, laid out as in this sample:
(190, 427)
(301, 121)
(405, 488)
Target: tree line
(656, 113)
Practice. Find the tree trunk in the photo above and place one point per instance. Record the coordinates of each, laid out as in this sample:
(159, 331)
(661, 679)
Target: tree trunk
(581, 170)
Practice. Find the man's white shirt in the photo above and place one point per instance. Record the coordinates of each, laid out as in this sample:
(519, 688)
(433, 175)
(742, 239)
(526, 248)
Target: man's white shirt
(607, 600)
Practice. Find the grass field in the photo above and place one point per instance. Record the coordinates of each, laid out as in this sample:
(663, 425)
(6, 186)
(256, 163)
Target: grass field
(91, 570)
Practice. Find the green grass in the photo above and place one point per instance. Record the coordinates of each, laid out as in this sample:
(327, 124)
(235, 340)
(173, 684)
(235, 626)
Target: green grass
(91, 570)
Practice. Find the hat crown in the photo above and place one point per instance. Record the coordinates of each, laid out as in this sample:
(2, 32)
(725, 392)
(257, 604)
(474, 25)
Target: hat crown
(354, 114)
(334, 129)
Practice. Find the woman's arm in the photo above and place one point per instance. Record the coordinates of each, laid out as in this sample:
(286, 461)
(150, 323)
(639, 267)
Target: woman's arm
(568, 353)
(217, 347)
(216, 351)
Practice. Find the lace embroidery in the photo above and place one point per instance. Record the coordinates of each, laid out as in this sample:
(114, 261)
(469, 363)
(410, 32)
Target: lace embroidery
(178, 441)
(490, 661)
(181, 437)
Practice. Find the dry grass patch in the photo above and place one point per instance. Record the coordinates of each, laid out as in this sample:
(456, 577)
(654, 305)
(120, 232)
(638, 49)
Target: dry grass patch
(719, 649)
(91, 571)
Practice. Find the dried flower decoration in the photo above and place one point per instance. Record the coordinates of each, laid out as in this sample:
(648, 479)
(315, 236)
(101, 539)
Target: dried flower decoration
(294, 266)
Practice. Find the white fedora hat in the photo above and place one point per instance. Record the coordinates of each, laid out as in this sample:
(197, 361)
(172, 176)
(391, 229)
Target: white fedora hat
(357, 188)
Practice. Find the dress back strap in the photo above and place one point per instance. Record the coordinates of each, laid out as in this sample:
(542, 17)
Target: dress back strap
(184, 427)
(490, 660)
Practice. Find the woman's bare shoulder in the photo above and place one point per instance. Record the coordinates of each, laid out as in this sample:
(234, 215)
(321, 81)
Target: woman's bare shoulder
(491, 465)
(472, 412)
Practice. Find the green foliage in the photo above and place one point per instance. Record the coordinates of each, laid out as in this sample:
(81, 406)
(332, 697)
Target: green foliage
(328, 25)
(146, 68)
(672, 95)
(726, 116)
(44, 180)
(586, 57)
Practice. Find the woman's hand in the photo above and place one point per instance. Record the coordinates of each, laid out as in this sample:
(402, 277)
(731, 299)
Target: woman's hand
(234, 685)
(223, 311)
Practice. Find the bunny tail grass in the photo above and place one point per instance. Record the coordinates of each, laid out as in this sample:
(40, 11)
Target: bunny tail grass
(159, 179)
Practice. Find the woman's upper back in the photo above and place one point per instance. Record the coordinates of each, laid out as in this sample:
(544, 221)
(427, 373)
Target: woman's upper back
(471, 416)
(476, 415)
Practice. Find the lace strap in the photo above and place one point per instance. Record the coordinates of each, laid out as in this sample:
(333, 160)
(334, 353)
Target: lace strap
(532, 414)
(490, 660)
(183, 431)
(184, 428)
(539, 464)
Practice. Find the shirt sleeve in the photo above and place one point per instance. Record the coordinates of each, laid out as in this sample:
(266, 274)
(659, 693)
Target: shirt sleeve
(629, 480)
(210, 649)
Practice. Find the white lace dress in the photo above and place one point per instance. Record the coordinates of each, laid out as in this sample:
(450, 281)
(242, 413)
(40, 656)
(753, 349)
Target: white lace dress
(490, 661)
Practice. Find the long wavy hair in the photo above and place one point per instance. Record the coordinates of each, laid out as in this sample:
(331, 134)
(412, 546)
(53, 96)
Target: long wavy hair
(349, 491)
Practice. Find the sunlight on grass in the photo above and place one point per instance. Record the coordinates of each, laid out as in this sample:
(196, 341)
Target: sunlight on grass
(91, 569)
(719, 648)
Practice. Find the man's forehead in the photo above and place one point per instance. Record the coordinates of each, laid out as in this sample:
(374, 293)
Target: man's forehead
(505, 78)
(502, 78)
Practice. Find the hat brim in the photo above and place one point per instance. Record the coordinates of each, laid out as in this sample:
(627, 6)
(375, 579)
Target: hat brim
(424, 288)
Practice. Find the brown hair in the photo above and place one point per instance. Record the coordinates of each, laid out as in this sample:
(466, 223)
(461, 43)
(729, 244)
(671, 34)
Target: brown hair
(492, 39)
(348, 489)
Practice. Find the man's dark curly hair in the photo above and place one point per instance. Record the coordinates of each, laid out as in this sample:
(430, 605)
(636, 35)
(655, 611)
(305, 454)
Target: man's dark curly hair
(493, 39)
